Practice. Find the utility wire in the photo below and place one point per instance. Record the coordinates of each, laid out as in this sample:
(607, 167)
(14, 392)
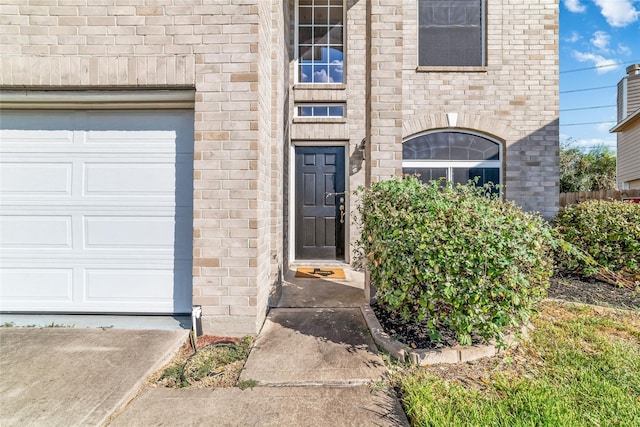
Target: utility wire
(587, 89)
(587, 123)
(600, 66)
(589, 108)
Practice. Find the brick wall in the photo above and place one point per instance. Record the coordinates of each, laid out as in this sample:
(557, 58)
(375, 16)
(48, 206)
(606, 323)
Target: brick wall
(238, 56)
(223, 48)
(514, 99)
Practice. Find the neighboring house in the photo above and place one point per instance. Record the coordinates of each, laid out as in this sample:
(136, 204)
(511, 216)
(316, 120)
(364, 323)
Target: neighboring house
(628, 130)
(168, 153)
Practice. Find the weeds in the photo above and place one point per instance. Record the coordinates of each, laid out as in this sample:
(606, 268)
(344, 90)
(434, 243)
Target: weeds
(216, 365)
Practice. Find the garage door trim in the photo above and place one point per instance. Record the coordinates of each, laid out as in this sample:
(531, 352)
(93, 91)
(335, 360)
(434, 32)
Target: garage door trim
(179, 98)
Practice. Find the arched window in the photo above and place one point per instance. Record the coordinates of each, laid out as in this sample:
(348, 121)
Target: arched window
(454, 155)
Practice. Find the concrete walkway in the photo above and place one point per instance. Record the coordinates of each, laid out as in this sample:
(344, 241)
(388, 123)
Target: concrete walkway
(76, 377)
(313, 364)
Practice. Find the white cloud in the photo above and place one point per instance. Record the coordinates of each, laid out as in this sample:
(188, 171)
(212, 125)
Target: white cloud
(574, 37)
(574, 6)
(625, 50)
(618, 13)
(601, 40)
(587, 144)
(605, 126)
(602, 64)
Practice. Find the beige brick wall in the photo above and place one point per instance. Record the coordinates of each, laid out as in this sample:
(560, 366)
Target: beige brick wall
(514, 99)
(224, 49)
(387, 97)
(237, 54)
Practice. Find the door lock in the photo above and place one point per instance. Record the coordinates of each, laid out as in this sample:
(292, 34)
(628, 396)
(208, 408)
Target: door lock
(342, 210)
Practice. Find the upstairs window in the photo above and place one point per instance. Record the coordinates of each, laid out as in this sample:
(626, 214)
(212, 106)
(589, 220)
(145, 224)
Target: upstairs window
(320, 41)
(452, 155)
(320, 110)
(451, 33)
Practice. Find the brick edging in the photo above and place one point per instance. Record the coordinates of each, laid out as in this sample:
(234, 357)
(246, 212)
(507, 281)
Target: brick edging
(456, 354)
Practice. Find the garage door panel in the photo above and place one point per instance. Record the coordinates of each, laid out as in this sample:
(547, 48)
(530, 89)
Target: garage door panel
(150, 233)
(35, 179)
(32, 232)
(106, 232)
(129, 179)
(26, 285)
(140, 129)
(128, 284)
(96, 211)
(20, 138)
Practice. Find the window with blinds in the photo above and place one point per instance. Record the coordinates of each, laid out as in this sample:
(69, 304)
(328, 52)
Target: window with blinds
(451, 33)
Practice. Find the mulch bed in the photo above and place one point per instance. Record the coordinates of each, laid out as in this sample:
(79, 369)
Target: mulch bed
(590, 291)
(568, 288)
(519, 361)
(415, 335)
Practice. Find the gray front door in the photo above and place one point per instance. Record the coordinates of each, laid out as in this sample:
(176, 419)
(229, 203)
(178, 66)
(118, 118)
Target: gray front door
(319, 203)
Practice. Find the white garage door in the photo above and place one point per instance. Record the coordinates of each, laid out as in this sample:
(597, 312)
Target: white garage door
(96, 211)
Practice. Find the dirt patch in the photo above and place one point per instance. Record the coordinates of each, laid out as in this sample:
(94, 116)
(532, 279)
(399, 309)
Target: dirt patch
(217, 362)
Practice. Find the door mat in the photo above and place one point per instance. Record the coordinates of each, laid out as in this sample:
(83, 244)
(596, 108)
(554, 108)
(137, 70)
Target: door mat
(320, 273)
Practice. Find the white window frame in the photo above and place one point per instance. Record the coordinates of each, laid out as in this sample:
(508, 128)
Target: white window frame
(296, 72)
(321, 105)
(452, 164)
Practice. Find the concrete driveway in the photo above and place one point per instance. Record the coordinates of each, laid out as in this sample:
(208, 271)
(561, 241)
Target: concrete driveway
(76, 377)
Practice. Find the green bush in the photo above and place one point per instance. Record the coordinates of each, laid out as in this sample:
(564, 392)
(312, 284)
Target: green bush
(453, 256)
(609, 231)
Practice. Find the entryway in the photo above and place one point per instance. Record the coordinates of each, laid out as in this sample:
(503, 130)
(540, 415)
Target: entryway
(320, 203)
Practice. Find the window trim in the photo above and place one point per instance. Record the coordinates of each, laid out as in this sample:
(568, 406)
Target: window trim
(455, 68)
(296, 52)
(451, 164)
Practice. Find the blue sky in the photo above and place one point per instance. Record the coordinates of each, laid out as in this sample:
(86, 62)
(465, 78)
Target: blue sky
(598, 40)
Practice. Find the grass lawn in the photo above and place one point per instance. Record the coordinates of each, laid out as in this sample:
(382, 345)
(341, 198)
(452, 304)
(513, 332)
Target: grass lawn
(580, 368)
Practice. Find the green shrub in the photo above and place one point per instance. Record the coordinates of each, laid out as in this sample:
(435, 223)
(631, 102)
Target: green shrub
(453, 256)
(609, 231)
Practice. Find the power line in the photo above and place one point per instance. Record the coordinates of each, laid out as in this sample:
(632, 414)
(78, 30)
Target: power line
(589, 108)
(595, 67)
(587, 89)
(587, 123)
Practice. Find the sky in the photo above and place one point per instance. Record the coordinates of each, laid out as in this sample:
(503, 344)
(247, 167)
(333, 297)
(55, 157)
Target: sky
(598, 40)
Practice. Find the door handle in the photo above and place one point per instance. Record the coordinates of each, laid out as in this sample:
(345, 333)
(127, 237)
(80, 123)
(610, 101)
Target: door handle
(335, 194)
(342, 210)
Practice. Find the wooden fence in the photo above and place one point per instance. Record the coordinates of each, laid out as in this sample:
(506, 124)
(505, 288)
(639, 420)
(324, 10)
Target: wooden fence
(582, 196)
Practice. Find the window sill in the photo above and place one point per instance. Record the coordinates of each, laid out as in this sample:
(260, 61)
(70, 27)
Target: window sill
(319, 120)
(320, 86)
(448, 69)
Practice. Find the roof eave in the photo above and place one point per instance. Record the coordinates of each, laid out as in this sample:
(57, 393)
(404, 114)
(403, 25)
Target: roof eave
(626, 122)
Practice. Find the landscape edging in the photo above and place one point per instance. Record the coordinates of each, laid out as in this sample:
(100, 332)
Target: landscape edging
(450, 355)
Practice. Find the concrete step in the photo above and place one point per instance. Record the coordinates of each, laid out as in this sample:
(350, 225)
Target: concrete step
(299, 292)
(314, 346)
